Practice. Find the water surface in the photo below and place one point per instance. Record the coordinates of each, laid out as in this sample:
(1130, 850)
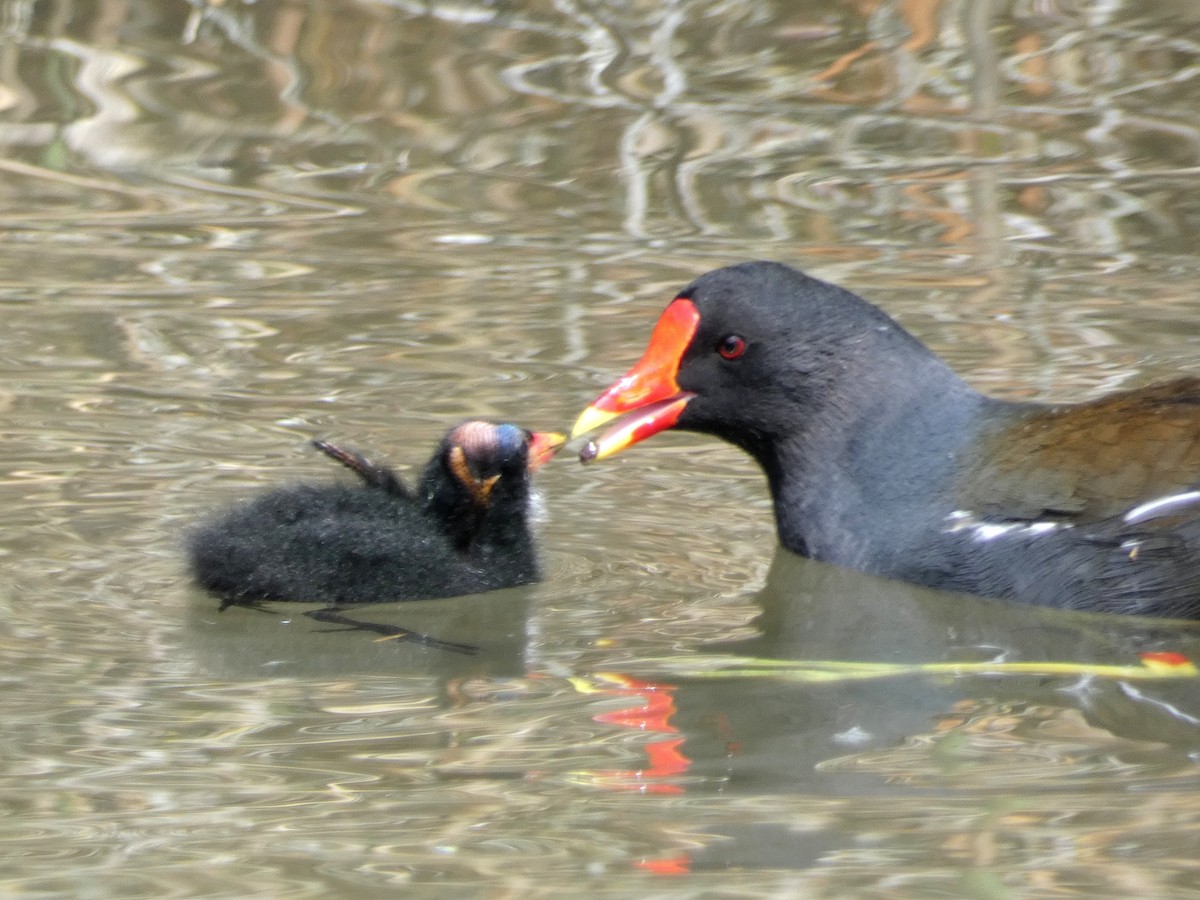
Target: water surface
(229, 228)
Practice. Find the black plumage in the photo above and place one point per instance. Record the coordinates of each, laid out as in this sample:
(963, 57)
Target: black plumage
(464, 528)
(880, 458)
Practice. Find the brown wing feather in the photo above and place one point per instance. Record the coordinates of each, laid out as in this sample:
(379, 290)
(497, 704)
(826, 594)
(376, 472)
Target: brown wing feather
(1090, 461)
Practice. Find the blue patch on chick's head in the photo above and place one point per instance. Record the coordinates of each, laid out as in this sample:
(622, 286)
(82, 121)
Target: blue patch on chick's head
(509, 439)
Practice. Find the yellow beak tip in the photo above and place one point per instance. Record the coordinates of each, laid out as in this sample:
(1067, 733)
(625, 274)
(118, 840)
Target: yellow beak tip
(589, 420)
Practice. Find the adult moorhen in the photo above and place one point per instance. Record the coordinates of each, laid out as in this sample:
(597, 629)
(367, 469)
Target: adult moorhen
(881, 459)
(464, 529)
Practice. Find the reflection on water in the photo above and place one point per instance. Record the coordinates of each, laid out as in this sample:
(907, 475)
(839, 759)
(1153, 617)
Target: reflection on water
(230, 227)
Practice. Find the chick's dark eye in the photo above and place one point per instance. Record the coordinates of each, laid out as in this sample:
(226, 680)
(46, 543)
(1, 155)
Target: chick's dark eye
(731, 346)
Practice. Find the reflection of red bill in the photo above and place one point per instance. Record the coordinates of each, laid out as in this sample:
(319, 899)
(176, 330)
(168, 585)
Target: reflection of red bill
(670, 865)
(666, 758)
(655, 709)
(651, 711)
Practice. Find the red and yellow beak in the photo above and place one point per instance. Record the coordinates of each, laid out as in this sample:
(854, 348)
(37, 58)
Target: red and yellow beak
(649, 388)
(542, 446)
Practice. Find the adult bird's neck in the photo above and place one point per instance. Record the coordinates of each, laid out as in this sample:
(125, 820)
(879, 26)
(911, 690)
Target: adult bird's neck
(872, 468)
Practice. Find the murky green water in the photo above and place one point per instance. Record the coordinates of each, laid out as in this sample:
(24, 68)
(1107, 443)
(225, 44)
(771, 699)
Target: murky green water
(227, 228)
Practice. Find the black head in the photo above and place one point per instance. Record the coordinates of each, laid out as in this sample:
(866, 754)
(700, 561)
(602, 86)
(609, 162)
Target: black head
(751, 353)
(771, 348)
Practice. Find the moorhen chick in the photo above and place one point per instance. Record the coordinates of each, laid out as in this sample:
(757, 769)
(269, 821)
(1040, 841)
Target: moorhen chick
(463, 529)
(880, 458)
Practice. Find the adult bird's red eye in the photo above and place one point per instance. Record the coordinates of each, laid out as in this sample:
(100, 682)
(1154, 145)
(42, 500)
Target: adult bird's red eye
(731, 346)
